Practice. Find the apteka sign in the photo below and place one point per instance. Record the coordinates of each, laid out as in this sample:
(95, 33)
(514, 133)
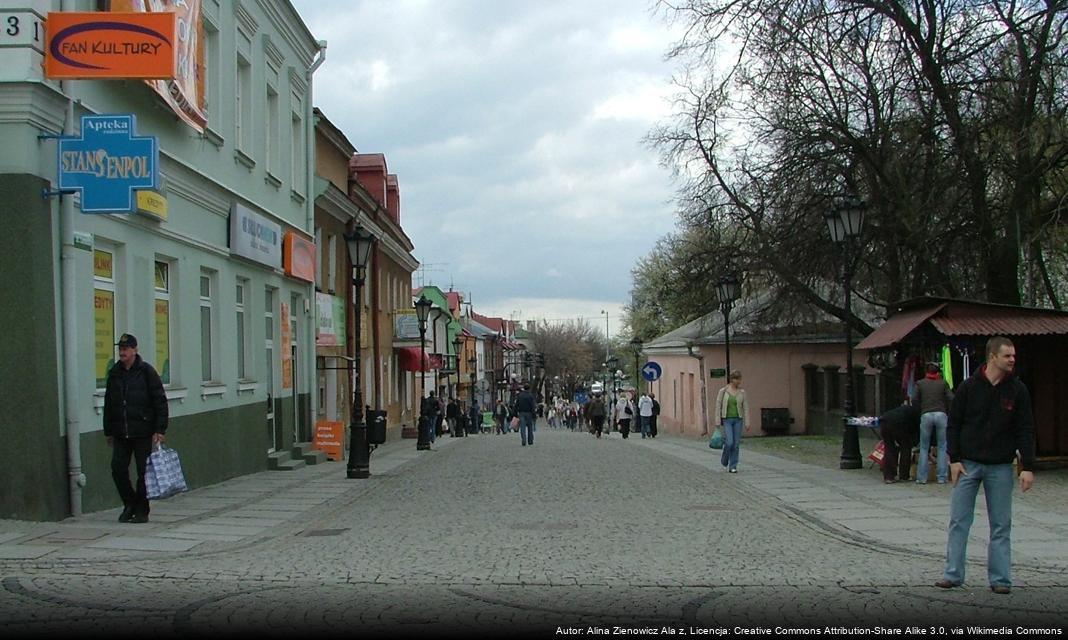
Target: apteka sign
(110, 45)
(107, 163)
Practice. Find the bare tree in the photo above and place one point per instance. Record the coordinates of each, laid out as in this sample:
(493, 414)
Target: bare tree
(947, 116)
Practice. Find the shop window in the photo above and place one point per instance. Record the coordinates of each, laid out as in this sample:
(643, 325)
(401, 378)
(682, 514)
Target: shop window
(104, 277)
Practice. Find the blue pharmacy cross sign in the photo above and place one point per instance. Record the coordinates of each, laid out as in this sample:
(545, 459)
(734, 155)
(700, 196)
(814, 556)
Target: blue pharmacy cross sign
(652, 371)
(107, 163)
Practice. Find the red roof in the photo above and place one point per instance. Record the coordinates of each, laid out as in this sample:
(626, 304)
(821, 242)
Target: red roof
(966, 318)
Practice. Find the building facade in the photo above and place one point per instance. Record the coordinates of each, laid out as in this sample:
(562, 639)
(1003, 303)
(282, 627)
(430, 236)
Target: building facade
(212, 277)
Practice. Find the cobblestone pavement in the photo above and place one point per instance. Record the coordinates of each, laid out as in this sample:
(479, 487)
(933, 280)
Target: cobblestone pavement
(486, 537)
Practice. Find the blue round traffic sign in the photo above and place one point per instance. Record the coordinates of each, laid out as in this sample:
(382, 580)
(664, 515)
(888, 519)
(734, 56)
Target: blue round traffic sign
(652, 371)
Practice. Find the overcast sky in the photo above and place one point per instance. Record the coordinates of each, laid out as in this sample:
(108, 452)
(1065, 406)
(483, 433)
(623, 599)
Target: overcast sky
(515, 129)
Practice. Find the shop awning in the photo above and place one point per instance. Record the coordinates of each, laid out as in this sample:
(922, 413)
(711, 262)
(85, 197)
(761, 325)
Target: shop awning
(897, 327)
(409, 357)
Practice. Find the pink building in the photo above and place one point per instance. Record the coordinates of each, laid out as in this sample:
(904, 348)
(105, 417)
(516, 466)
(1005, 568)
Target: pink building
(793, 375)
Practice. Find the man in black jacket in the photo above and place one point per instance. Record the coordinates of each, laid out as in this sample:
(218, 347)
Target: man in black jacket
(525, 405)
(135, 418)
(989, 422)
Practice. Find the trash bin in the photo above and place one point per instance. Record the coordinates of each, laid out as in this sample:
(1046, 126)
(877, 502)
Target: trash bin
(376, 427)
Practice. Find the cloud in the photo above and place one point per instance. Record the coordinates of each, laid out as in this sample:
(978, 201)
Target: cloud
(516, 131)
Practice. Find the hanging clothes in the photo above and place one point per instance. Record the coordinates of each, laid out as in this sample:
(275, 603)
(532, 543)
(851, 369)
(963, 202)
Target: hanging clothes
(908, 377)
(947, 365)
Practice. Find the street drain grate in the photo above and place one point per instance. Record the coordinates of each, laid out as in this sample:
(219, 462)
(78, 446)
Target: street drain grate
(323, 532)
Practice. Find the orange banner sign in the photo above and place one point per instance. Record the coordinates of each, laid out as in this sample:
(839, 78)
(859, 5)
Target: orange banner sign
(328, 438)
(298, 255)
(110, 45)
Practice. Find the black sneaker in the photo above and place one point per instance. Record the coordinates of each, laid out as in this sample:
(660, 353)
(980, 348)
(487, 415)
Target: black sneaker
(127, 513)
(139, 519)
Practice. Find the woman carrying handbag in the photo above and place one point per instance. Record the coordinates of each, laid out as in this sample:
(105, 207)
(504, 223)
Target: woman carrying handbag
(732, 414)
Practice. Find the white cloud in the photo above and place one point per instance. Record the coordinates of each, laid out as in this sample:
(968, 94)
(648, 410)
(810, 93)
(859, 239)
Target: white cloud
(515, 129)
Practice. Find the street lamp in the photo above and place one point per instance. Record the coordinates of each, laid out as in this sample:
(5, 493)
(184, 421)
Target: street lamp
(606, 338)
(458, 344)
(422, 311)
(729, 289)
(845, 223)
(360, 243)
(636, 343)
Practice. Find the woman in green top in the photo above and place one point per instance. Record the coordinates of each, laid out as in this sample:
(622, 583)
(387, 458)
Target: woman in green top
(732, 415)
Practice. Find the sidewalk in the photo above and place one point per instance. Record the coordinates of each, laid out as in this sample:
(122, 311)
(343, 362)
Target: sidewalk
(240, 510)
(855, 506)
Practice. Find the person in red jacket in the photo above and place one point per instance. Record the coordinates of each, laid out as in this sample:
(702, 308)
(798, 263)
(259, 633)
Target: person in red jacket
(990, 421)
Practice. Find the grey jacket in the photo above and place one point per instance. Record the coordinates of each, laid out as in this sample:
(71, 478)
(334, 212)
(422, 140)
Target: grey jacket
(933, 395)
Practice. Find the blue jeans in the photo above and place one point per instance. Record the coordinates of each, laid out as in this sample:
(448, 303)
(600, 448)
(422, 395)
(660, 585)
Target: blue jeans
(997, 481)
(646, 422)
(526, 427)
(938, 421)
(732, 437)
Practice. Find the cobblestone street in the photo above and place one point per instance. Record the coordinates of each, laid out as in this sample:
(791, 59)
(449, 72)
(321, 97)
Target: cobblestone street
(485, 536)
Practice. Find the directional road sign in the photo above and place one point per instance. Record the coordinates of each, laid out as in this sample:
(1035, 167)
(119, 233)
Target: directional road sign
(652, 371)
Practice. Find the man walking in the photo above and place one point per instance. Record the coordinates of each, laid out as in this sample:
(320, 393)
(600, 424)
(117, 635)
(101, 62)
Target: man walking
(525, 405)
(645, 413)
(989, 422)
(135, 419)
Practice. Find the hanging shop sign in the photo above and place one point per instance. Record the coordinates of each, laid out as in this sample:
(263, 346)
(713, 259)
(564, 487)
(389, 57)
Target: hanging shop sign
(255, 237)
(119, 45)
(299, 257)
(184, 92)
(331, 328)
(405, 324)
(108, 163)
(152, 204)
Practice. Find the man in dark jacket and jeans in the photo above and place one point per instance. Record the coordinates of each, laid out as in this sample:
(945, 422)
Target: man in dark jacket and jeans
(525, 405)
(135, 418)
(989, 422)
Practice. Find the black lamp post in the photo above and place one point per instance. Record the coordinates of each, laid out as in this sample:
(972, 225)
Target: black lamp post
(729, 289)
(458, 344)
(472, 366)
(845, 223)
(360, 243)
(610, 371)
(422, 311)
(636, 342)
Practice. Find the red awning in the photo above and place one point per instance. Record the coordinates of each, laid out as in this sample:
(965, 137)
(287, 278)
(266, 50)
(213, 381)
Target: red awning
(409, 359)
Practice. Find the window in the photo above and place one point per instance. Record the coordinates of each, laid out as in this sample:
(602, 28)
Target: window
(163, 319)
(268, 325)
(243, 104)
(271, 130)
(207, 364)
(331, 258)
(212, 72)
(319, 258)
(297, 153)
(242, 329)
(104, 312)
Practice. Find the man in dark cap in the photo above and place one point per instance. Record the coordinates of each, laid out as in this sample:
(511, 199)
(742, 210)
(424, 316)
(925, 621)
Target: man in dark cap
(135, 419)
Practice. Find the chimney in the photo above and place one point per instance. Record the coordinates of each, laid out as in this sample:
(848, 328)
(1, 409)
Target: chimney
(369, 170)
(393, 197)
